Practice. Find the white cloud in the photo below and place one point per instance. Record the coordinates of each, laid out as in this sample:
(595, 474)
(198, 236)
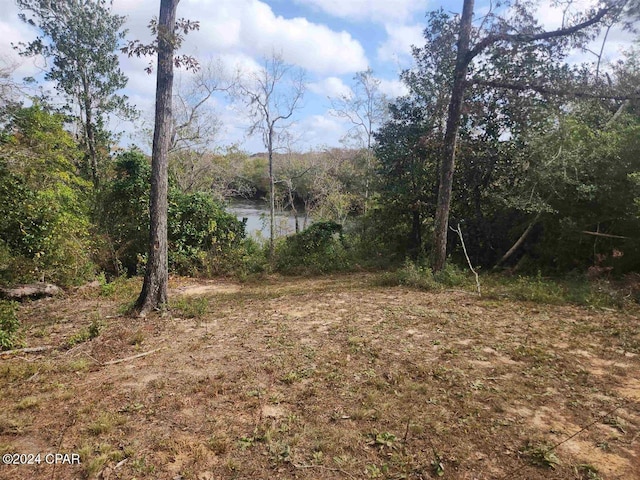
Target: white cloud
(251, 27)
(331, 87)
(319, 130)
(393, 88)
(377, 10)
(400, 38)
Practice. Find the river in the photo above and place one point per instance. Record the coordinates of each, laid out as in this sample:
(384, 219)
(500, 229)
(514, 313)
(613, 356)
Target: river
(257, 214)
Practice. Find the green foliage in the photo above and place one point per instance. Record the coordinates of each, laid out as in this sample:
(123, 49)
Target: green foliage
(452, 276)
(85, 334)
(410, 275)
(542, 455)
(200, 233)
(81, 40)
(199, 229)
(192, 307)
(124, 216)
(574, 289)
(44, 223)
(321, 248)
(413, 274)
(9, 325)
(585, 182)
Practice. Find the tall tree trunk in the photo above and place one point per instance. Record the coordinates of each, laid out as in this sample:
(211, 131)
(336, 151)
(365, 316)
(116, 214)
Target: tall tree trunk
(416, 233)
(154, 289)
(450, 138)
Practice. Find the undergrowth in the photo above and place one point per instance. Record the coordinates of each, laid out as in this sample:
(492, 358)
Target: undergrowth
(9, 325)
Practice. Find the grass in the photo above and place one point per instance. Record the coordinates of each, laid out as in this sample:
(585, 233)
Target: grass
(337, 377)
(191, 307)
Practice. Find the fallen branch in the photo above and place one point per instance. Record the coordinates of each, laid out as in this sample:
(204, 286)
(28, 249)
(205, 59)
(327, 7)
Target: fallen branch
(121, 360)
(606, 235)
(27, 350)
(519, 242)
(464, 249)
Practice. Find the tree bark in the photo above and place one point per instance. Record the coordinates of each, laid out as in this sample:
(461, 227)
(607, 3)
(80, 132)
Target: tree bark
(464, 56)
(450, 138)
(519, 242)
(154, 290)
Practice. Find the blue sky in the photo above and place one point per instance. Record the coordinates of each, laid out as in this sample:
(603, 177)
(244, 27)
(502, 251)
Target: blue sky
(330, 39)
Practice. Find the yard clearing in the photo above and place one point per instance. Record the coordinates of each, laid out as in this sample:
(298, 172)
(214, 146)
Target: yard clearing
(324, 378)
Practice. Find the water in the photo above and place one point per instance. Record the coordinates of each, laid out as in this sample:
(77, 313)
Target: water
(257, 214)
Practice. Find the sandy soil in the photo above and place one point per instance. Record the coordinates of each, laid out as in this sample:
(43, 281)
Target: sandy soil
(323, 378)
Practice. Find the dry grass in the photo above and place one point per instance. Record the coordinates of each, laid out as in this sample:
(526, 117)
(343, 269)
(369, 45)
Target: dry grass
(334, 378)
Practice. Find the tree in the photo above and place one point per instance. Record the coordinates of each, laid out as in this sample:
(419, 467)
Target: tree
(168, 39)
(196, 126)
(9, 90)
(365, 107)
(44, 221)
(272, 95)
(499, 32)
(81, 38)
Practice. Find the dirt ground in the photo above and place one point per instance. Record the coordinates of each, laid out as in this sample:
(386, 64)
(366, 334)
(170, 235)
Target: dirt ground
(330, 378)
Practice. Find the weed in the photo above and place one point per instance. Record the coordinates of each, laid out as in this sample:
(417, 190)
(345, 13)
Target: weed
(373, 471)
(246, 442)
(140, 465)
(410, 275)
(192, 307)
(137, 338)
(28, 403)
(218, 444)
(86, 334)
(451, 276)
(381, 440)
(291, 378)
(437, 465)
(318, 457)
(280, 452)
(77, 365)
(9, 325)
(105, 423)
(118, 288)
(542, 455)
(587, 472)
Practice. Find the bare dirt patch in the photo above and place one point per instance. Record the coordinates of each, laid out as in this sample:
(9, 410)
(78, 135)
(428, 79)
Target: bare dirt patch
(325, 378)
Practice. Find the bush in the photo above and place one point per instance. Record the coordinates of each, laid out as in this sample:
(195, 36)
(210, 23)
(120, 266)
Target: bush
(44, 221)
(9, 325)
(419, 276)
(410, 275)
(247, 258)
(321, 248)
(200, 232)
(451, 276)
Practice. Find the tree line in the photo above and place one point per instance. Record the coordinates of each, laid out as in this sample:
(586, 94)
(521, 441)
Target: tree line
(532, 158)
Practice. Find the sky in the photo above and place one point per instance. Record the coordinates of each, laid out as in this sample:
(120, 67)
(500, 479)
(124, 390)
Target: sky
(331, 40)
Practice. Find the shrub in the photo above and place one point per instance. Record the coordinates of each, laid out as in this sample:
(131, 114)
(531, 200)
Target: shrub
(414, 275)
(44, 221)
(410, 275)
(199, 230)
(321, 248)
(9, 325)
